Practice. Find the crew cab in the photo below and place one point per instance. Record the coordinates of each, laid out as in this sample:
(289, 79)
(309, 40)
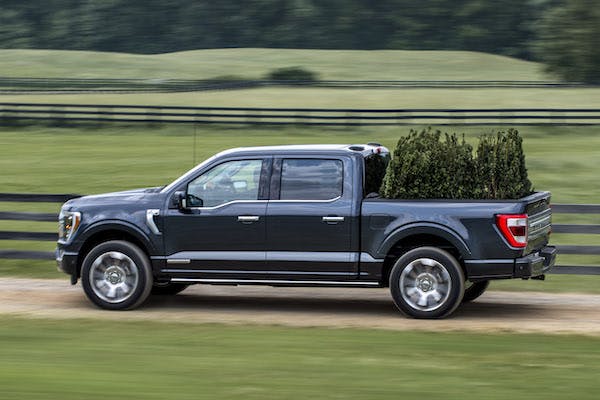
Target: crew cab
(303, 215)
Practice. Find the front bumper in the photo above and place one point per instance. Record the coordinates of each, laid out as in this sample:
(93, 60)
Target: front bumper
(67, 263)
(535, 264)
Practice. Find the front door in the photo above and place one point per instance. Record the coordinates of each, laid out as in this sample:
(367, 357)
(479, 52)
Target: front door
(222, 230)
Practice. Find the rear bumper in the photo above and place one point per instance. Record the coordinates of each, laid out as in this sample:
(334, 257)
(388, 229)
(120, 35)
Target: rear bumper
(535, 264)
(532, 265)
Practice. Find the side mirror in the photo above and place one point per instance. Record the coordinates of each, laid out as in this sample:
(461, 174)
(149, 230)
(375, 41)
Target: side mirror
(178, 201)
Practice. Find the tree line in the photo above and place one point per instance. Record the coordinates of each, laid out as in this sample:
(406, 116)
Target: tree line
(519, 28)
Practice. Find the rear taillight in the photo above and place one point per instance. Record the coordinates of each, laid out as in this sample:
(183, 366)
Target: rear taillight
(514, 228)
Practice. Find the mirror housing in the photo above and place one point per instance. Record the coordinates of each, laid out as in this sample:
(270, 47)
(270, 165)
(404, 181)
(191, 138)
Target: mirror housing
(178, 201)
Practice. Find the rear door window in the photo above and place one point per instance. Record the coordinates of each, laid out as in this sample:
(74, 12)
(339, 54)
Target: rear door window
(311, 179)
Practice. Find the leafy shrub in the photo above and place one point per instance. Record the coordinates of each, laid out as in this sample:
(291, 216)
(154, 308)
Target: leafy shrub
(501, 171)
(424, 167)
(432, 165)
(292, 74)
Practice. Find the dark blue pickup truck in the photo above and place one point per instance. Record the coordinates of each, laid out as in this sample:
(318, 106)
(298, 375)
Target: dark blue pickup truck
(298, 216)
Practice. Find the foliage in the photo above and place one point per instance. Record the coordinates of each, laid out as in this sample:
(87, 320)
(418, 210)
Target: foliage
(501, 171)
(292, 74)
(424, 167)
(568, 40)
(428, 166)
(157, 26)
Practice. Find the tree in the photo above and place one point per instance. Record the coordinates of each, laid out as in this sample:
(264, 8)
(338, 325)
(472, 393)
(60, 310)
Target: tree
(569, 40)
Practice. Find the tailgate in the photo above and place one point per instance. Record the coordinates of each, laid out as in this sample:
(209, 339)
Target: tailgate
(539, 222)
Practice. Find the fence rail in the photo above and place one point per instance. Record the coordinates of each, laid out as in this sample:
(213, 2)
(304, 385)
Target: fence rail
(62, 113)
(15, 85)
(59, 198)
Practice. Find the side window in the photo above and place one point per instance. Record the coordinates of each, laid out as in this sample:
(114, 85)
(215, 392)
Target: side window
(311, 179)
(233, 180)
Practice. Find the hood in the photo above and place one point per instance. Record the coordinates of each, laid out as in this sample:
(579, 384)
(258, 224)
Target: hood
(127, 196)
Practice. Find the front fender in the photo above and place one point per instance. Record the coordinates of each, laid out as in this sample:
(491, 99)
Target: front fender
(423, 228)
(119, 225)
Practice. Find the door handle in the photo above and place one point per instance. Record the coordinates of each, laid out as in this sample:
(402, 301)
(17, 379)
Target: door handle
(333, 220)
(248, 219)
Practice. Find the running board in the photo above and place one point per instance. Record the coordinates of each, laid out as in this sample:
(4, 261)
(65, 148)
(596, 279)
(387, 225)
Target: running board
(272, 282)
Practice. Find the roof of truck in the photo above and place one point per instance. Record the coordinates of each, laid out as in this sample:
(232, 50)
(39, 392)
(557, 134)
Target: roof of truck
(364, 149)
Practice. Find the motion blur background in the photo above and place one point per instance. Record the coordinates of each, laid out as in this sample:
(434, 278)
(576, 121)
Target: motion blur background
(85, 88)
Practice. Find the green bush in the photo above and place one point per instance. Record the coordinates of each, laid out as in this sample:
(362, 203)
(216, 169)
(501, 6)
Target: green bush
(426, 167)
(292, 74)
(501, 171)
(432, 165)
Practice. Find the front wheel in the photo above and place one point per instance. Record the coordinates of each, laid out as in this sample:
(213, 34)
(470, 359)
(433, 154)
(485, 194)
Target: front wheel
(116, 275)
(427, 282)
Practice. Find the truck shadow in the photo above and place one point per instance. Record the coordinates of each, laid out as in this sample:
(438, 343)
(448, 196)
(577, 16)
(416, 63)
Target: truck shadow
(481, 309)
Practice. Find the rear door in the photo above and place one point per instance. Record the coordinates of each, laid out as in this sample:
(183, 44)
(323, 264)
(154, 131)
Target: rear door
(311, 230)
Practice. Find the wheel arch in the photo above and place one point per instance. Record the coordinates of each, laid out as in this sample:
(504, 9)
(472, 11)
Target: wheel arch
(406, 239)
(112, 231)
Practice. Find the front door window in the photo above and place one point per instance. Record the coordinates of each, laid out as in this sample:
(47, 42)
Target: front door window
(227, 182)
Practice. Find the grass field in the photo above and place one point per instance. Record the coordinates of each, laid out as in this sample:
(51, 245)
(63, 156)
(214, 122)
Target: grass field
(333, 65)
(74, 359)
(256, 63)
(95, 160)
(340, 98)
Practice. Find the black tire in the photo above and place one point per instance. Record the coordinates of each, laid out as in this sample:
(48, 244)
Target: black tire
(116, 275)
(422, 275)
(474, 290)
(167, 288)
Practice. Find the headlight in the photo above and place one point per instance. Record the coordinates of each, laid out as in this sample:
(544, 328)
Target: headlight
(68, 222)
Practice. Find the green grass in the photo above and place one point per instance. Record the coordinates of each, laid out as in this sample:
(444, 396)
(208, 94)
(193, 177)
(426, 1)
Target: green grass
(341, 98)
(74, 359)
(256, 63)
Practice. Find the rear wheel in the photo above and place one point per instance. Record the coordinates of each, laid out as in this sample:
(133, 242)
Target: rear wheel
(427, 282)
(474, 289)
(116, 275)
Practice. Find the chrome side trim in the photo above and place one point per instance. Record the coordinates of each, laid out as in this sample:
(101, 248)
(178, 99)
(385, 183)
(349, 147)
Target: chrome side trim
(228, 204)
(306, 201)
(367, 258)
(255, 272)
(490, 261)
(219, 255)
(313, 256)
(302, 256)
(150, 214)
(276, 282)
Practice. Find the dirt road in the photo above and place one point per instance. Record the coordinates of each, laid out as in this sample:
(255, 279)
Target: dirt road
(325, 307)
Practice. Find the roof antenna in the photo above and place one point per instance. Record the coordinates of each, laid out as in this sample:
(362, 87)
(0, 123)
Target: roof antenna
(194, 151)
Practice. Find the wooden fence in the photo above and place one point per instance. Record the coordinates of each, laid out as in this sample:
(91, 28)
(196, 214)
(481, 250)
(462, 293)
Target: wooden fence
(69, 114)
(60, 198)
